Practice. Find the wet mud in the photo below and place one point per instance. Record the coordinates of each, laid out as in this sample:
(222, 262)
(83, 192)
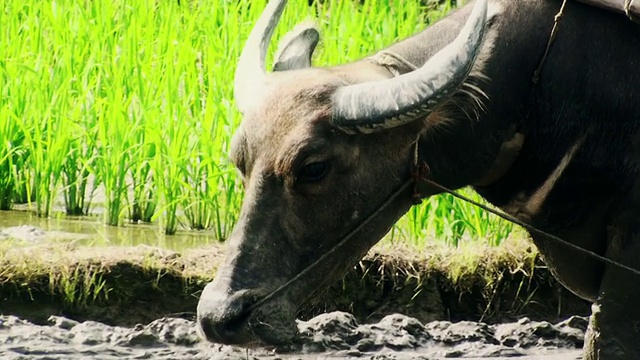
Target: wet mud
(335, 335)
(507, 292)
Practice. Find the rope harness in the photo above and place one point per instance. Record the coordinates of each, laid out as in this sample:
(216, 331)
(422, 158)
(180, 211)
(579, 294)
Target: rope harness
(421, 173)
(532, 229)
(552, 38)
(627, 8)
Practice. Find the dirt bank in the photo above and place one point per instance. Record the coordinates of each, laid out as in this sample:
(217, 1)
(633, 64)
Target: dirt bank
(113, 302)
(131, 285)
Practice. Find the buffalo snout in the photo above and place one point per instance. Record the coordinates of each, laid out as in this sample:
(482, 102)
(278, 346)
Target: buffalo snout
(232, 317)
(223, 316)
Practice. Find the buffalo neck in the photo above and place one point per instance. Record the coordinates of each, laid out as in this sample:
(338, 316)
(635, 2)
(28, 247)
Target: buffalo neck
(478, 146)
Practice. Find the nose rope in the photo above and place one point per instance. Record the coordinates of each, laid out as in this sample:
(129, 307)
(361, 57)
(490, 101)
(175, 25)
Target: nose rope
(336, 247)
(416, 176)
(419, 174)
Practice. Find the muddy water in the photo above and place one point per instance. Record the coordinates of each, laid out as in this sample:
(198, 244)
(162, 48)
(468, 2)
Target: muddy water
(331, 336)
(24, 226)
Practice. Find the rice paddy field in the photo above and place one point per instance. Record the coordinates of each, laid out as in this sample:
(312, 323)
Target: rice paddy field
(116, 190)
(123, 110)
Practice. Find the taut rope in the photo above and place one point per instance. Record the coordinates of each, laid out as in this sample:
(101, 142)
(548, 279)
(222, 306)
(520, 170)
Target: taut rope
(420, 173)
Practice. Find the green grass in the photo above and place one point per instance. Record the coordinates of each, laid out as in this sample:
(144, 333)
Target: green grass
(135, 98)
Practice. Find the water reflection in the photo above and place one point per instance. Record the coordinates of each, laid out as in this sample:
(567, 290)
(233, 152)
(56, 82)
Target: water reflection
(92, 231)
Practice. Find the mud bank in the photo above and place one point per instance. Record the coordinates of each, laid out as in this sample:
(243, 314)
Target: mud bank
(60, 299)
(334, 335)
(130, 285)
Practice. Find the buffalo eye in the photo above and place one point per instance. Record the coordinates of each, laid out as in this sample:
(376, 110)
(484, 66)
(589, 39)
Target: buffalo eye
(313, 172)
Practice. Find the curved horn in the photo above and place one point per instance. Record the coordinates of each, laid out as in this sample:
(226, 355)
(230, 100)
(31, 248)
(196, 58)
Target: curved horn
(251, 77)
(384, 104)
(297, 48)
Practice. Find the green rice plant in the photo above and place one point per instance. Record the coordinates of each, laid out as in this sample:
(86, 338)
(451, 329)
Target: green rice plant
(452, 220)
(47, 154)
(146, 111)
(12, 153)
(227, 205)
(76, 173)
(176, 140)
(21, 174)
(136, 99)
(197, 170)
(78, 164)
(196, 179)
(48, 128)
(144, 198)
(14, 101)
(23, 182)
(436, 10)
(167, 180)
(113, 157)
(82, 156)
(40, 104)
(116, 103)
(7, 147)
(352, 30)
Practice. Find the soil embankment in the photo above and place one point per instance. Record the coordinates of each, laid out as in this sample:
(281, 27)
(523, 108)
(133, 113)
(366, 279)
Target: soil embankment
(63, 300)
(131, 285)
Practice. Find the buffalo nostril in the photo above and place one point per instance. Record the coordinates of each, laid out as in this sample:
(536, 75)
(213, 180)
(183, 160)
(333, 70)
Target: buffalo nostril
(207, 328)
(225, 319)
(219, 332)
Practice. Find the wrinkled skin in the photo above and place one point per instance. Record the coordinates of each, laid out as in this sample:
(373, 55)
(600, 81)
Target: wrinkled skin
(588, 98)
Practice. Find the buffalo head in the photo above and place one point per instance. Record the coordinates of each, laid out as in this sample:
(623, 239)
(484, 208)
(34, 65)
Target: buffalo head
(320, 150)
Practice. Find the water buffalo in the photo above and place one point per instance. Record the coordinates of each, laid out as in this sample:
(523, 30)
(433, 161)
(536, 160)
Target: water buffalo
(322, 149)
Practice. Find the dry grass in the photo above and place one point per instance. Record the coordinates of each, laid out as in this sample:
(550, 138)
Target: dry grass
(34, 260)
(103, 283)
(469, 260)
(81, 278)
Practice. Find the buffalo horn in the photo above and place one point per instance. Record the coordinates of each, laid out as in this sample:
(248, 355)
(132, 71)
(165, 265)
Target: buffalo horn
(251, 76)
(372, 106)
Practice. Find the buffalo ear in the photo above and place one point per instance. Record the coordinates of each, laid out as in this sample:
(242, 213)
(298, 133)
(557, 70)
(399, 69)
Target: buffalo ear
(296, 49)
